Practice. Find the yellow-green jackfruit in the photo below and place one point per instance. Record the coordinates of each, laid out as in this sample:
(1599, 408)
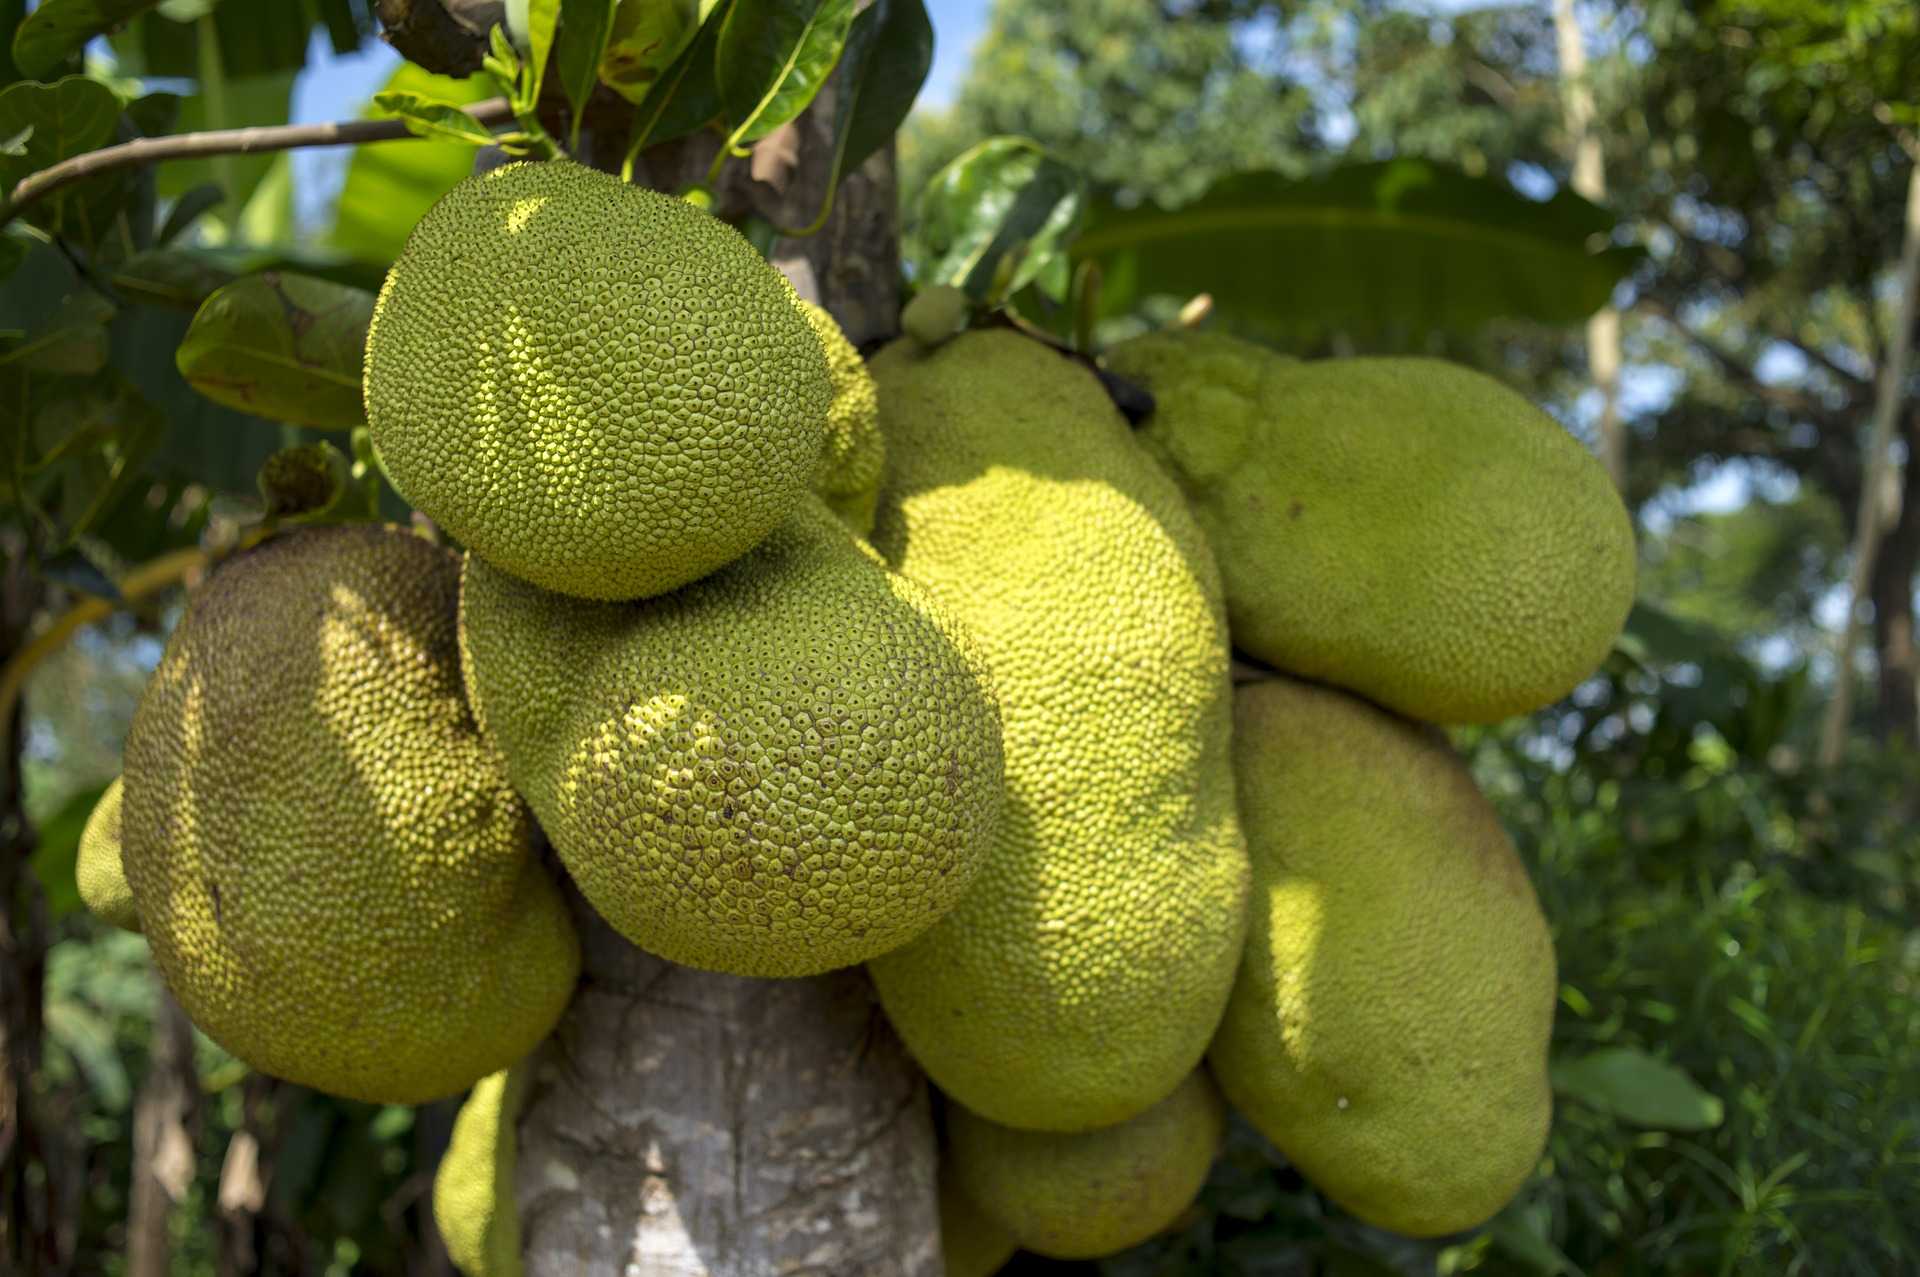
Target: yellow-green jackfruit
(98, 872)
(594, 386)
(971, 1243)
(1389, 1028)
(789, 766)
(336, 878)
(1406, 528)
(848, 479)
(1094, 1193)
(473, 1202)
(1079, 981)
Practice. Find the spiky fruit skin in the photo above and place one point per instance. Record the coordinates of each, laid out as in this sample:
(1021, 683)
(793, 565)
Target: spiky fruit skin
(473, 1202)
(789, 766)
(336, 878)
(1080, 979)
(971, 1243)
(593, 386)
(1408, 529)
(97, 871)
(848, 479)
(1390, 1025)
(1095, 1193)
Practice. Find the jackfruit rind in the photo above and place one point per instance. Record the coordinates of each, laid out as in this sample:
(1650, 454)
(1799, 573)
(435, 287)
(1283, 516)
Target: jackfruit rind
(594, 386)
(1406, 528)
(1079, 981)
(971, 1244)
(1390, 1026)
(336, 878)
(473, 1202)
(97, 870)
(1095, 1193)
(848, 478)
(789, 766)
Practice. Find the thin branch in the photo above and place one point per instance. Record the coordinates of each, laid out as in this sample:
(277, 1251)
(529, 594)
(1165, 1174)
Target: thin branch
(1732, 365)
(180, 146)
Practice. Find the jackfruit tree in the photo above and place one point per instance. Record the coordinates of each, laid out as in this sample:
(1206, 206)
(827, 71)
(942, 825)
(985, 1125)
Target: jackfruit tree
(828, 765)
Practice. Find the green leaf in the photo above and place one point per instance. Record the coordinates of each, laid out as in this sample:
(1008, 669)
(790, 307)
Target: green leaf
(532, 24)
(1524, 1231)
(773, 57)
(282, 346)
(1636, 1088)
(240, 102)
(12, 253)
(995, 218)
(59, 850)
(305, 482)
(1404, 244)
(57, 29)
(644, 41)
(75, 342)
(186, 210)
(65, 118)
(889, 52)
(585, 28)
(686, 97)
(426, 118)
(180, 278)
(390, 184)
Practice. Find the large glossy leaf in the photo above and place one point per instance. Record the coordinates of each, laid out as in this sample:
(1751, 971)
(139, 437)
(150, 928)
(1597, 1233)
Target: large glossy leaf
(532, 25)
(178, 278)
(889, 52)
(644, 41)
(251, 39)
(390, 184)
(48, 123)
(282, 346)
(1404, 244)
(585, 28)
(686, 97)
(74, 341)
(59, 28)
(996, 218)
(773, 57)
(1637, 1088)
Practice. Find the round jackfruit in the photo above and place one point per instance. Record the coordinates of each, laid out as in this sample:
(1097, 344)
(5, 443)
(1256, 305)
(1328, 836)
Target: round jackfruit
(1094, 1193)
(1080, 979)
(1406, 528)
(1389, 1028)
(473, 1203)
(98, 872)
(848, 479)
(594, 386)
(789, 766)
(971, 1243)
(336, 878)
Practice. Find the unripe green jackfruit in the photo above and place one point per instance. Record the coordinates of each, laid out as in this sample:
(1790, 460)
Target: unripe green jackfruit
(848, 479)
(789, 766)
(1406, 528)
(594, 386)
(1390, 1024)
(473, 1203)
(1080, 979)
(98, 872)
(1085, 1195)
(971, 1243)
(335, 876)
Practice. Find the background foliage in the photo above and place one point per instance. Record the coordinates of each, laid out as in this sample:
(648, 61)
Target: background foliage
(1737, 1053)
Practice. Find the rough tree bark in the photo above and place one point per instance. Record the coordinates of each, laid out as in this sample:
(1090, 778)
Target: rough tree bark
(1897, 699)
(163, 1154)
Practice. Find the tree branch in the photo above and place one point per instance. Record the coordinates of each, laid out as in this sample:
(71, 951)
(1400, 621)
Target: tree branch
(154, 150)
(1730, 364)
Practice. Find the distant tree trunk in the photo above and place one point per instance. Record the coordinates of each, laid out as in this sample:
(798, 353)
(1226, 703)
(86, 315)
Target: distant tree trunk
(37, 1166)
(1897, 705)
(1590, 180)
(163, 1155)
(687, 1124)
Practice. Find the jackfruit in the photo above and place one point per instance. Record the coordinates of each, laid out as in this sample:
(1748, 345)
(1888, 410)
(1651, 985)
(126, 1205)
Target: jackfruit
(789, 766)
(1405, 528)
(1079, 981)
(594, 386)
(971, 1244)
(1389, 1028)
(98, 872)
(1097, 1192)
(473, 1203)
(336, 878)
(848, 479)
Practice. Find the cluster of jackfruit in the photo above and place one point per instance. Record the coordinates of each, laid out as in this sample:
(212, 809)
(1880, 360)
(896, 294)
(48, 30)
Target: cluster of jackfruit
(795, 660)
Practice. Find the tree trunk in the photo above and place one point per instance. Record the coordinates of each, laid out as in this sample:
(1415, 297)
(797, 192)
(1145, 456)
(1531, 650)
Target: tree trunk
(687, 1124)
(163, 1158)
(1897, 703)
